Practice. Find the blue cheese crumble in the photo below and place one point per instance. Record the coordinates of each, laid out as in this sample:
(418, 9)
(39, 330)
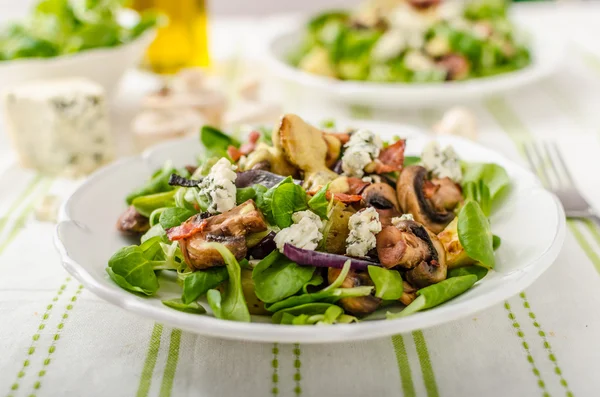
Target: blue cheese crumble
(405, 217)
(363, 225)
(218, 187)
(305, 233)
(441, 163)
(362, 148)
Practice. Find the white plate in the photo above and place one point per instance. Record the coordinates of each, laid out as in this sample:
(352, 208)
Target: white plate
(547, 48)
(531, 224)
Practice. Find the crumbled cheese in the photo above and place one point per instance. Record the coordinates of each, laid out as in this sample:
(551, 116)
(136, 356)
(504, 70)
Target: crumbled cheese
(418, 62)
(411, 23)
(60, 126)
(441, 163)
(389, 46)
(363, 225)
(218, 187)
(305, 233)
(362, 148)
(405, 217)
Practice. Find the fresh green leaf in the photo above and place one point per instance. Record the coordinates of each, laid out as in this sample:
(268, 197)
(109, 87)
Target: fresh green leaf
(264, 201)
(159, 183)
(496, 242)
(315, 281)
(309, 309)
(131, 270)
(174, 216)
(388, 283)
(331, 314)
(216, 142)
(233, 305)
(199, 282)
(287, 199)
(319, 203)
(213, 297)
(479, 271)
(192, 307)
(436, 294)
(479, 191)
(411, 160)
(475, 234)
(276, 277)
(492, 175)
(155, 231)
(329, 296)
(145, 205)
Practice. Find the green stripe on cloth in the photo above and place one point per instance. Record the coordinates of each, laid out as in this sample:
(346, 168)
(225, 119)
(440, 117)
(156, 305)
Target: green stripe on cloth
(25, 212)
(297, 366)
(593, 229)
(275, 366)
(150, 362)
(35, 338)
(56, 337)
(426, 367)
(547, 346)
(408, 388)
(169, 373)
(19, 200)
(540, 382)
(583, 243)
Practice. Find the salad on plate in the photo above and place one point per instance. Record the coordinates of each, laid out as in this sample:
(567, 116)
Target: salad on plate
(413, 41)
(311, 226)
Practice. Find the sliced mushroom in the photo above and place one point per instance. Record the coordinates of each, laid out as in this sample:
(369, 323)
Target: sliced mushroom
(380, 196)
(432, 271)
(409, 294)
(447, 195)
(228, 228)
(386, 216)
(457, 66)
(358, 306)
(133, 222)
(412, 199)
(401, 248)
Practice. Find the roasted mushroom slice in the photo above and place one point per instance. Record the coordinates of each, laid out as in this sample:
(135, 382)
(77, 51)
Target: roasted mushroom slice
(410, 189)
(228, 228)
(133, 222)
(445, 195)
(409, 294)
(380, 196)
(358, 306)
(411, 246)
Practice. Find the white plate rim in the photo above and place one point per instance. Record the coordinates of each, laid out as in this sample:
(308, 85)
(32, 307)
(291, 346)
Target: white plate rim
(265, 332)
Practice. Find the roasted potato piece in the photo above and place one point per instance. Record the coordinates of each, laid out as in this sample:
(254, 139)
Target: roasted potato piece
(264, 154)
(336, 229)
(334, 148)
(455, 253)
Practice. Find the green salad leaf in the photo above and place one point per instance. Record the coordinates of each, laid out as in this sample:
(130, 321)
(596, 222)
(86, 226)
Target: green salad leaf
(492, 175)
(158, 183)
(475, 234)
(319, 203)
(192, 307)
(199, 282)
(287, 199)
(478, 271)
(481, 193)
(232, 306)
(276, 277)
(308, 308)
(147, 204)
(436, 294)
(174, 216)
(388, 283)
(216, 141)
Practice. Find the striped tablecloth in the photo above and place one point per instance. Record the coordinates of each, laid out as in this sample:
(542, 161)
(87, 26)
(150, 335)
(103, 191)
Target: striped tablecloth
(57, 339)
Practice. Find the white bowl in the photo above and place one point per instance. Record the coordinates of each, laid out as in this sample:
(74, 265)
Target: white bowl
(105, 65)
(531, 223)
(547, 48)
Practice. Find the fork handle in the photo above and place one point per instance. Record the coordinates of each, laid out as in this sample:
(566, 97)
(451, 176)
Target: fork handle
(596, 220)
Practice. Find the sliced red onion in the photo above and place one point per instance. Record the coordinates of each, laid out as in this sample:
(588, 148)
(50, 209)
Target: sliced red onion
(324, 259)
(259, 177)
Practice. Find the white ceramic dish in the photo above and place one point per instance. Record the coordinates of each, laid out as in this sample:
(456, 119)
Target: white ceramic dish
(547, 48)
(105, 66)
(531, 223)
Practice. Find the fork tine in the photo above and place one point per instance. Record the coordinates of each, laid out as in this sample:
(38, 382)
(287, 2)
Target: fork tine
(563, 166)
(529, 154)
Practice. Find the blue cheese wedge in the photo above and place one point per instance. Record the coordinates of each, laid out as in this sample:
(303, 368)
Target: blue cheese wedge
(218, 187)
(60, 127)
(441, 163)
(364, 225)
(305, 233)
(362, 148)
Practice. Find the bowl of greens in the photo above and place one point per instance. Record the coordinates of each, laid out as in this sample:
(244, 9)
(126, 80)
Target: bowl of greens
(370, 233)
(411, 53)
(62, 38)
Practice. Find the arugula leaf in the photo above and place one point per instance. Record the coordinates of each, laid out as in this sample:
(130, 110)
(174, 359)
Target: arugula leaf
(436, 294)
(276, 277)
(216, 142)
(192, 307)
(475, 234)
(287, 199)
(174, 216)
(388, 283)
(319, 203)
(233, 305)
(158, 183)
(199, 282)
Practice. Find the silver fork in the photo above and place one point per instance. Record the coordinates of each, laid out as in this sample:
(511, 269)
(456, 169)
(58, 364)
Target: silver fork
(547, 162)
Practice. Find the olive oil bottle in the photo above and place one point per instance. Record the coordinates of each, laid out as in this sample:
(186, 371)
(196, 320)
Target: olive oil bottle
(183, 41)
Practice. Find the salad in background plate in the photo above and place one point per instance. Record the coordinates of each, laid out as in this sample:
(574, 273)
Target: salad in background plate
(413, 41)
(311, 227)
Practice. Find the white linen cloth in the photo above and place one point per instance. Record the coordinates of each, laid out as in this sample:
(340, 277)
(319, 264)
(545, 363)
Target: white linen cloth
(58, 339)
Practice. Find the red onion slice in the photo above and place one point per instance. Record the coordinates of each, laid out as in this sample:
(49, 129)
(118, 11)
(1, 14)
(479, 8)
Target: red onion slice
(323, 259)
